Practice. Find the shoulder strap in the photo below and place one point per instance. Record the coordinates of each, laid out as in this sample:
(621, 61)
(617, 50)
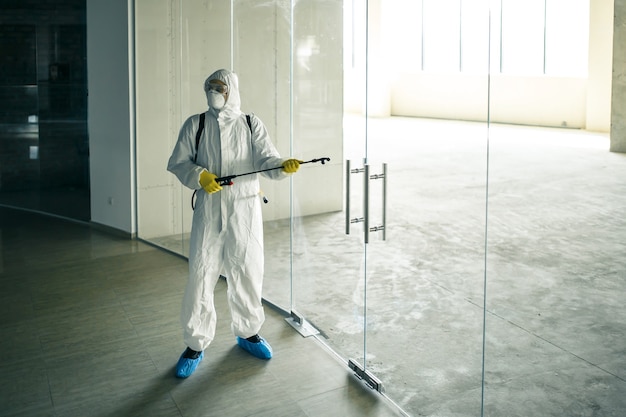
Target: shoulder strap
(201, 128)
(199, 134)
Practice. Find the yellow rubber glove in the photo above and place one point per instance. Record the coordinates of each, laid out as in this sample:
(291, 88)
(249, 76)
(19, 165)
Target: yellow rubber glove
(291, 165)
(208, 183)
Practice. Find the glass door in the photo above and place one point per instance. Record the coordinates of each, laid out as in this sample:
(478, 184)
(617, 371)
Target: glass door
(394, 280)
(328, 265)
(557, 229)
(379, 251)
(306, 245)
(383, 252)
(428, 180)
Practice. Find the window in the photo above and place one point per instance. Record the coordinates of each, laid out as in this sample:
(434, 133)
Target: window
(441, 35)
(567, 37)
(522, 36)
(474, 36)
(529, 37)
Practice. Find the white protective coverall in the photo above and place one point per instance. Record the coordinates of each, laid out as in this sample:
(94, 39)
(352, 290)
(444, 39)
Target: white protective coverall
(227, 228)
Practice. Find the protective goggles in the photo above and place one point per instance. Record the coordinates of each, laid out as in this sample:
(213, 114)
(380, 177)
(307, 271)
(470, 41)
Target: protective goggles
(222, 89)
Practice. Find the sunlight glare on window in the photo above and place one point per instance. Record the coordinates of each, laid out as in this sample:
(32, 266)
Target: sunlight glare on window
(404, 25)
(475, 36)
(526, 37)
(522, 37)
(442, 36)
(567, 37)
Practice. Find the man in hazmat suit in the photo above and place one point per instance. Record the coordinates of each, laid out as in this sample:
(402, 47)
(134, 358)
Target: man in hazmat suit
(227, 229)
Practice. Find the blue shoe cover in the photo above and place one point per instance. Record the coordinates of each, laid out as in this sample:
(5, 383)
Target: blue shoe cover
(261, 350)
(186, 366)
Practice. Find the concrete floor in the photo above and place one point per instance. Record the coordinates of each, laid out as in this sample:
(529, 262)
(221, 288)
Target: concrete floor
(546, 255)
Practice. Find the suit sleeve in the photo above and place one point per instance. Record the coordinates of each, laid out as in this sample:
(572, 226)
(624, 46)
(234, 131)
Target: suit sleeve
(181, 162)
(265, 153)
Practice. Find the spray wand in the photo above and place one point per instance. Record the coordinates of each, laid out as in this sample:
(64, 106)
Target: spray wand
(228, 179)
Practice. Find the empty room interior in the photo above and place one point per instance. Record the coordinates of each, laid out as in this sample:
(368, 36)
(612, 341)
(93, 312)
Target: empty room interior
(453, 244)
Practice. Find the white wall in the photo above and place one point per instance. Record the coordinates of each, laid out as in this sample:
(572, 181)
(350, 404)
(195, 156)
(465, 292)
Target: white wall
(544, 101)
(110, 117)
(540, 100)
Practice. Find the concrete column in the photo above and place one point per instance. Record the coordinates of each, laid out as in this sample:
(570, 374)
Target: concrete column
(600, 66)
(618, 101)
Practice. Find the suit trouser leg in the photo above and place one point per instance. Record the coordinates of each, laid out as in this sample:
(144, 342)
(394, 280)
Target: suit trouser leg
(198, 315)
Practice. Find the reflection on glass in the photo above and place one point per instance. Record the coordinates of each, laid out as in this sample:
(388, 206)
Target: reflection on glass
(329, 80)
(44, 151)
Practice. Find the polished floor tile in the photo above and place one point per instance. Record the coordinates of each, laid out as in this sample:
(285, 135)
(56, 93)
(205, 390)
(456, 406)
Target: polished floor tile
(90, 327)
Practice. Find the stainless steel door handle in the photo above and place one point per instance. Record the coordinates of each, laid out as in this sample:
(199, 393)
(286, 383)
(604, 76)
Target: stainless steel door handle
(366, 204)
(383, 226)
(366, 200)
(348, 196)
(385, 201)
(350, 171)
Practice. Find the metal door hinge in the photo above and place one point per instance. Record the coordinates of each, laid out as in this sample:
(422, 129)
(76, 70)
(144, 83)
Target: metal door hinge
(302, 326)
(366, 376)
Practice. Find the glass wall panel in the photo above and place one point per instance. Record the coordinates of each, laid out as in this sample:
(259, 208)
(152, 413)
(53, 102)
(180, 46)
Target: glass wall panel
(343, 80)
(425, 281)
(178, 44)
(555, 274)
(555, 265)
(263, 59)
(317, 75)
(328, 264)
(425, 268)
